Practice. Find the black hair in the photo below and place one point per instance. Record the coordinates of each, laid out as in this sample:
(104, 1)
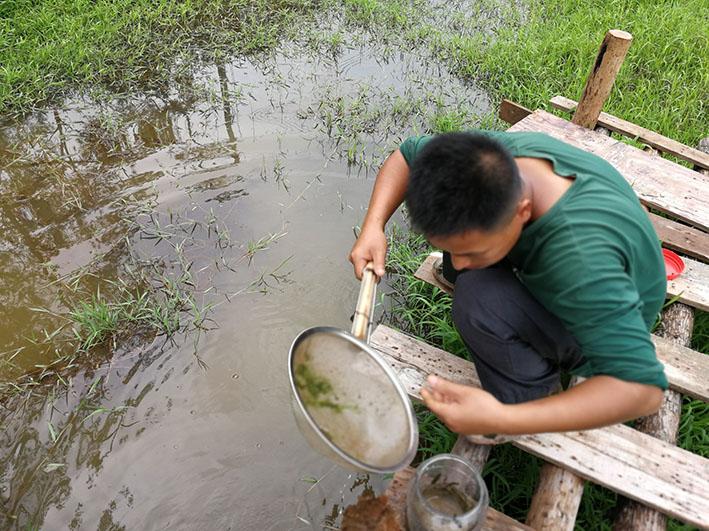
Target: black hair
(460, 182)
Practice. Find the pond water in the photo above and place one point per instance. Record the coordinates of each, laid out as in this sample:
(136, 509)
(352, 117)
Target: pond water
(197, 432)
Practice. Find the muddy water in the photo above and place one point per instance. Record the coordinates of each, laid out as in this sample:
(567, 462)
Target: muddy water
(285, 146)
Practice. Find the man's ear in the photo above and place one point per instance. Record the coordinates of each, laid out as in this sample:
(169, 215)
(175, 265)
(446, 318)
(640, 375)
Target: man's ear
(524, 209)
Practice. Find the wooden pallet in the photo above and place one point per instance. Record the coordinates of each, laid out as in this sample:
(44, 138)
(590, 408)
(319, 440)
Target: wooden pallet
(655, 473)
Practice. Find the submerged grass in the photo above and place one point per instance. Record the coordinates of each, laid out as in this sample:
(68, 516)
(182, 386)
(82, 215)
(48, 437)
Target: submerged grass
(50, 46)
(166, 292)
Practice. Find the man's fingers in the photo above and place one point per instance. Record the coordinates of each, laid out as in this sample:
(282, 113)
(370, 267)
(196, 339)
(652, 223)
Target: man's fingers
(439, 407)
(444, 387)
(434, 395)
(378, 261)
(359, 264)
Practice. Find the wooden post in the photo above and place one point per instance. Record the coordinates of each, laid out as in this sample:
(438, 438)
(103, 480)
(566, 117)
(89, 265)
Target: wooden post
(599, 82)
(677, 322)
(557, 497)
(476, 454)
(676, 325)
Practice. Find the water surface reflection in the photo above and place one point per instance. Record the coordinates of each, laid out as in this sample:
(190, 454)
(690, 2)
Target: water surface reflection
(281, 148)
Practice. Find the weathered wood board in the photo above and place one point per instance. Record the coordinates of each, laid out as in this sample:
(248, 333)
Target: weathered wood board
(646, 136)
(655, 473)
(556, 499)
(660, 183)
(512, 112)
(686, 369)
(494, 520)
(681, 238)
(692, 286)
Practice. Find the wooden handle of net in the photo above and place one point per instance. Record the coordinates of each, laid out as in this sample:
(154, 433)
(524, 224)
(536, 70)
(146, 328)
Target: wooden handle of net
(362, 322)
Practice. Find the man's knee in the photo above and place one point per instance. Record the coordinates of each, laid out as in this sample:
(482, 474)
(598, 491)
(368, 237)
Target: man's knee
(478, 297)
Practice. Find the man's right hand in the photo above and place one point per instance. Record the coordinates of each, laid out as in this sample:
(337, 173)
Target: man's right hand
(371, 246)
(388, 194)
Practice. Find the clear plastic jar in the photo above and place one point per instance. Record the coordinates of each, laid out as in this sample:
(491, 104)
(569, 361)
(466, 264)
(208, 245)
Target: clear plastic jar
(446, 493)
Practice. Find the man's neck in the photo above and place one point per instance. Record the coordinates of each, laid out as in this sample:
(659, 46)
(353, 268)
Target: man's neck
(543, 187)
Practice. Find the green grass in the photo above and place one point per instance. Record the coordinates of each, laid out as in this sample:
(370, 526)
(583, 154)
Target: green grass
(98, 319)
(664, 81)
(48, 47)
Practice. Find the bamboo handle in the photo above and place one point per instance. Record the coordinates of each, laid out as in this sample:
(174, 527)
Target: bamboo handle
(362, 322)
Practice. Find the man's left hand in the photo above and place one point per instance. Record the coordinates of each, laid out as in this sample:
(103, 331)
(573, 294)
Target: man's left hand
(464, 409)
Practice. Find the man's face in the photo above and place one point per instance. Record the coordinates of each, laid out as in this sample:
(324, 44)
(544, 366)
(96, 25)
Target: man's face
(476, 249)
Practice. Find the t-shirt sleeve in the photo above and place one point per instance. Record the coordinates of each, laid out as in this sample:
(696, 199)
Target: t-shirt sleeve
(602, 309)
(410, 147)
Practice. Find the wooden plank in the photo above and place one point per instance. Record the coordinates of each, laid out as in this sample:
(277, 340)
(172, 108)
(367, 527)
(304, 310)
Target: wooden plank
(658, 182)
(681, 238)
(512, 112)
(647, 470)
(556, 500)
(396, 492)
(408, 356)
(600, 81)
(646, 136)
(692, 286)
(425, 272)
(620, 458)
(686, 369)
(476, 454)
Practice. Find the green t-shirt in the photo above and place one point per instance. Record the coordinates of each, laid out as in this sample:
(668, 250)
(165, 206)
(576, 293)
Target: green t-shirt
(593, 259)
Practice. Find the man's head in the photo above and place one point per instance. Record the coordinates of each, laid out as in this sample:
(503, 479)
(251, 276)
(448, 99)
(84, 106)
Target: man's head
(465, 194)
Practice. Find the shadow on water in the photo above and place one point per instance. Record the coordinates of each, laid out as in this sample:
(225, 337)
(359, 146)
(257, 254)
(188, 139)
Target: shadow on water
(251, 178)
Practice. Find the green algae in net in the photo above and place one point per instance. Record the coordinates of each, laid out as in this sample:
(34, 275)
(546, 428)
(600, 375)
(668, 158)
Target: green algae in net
(316, 390)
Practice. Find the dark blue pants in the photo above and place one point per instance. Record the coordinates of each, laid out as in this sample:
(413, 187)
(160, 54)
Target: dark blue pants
(518, 347)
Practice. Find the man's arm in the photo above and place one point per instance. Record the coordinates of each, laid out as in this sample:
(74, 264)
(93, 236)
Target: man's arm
(389, 191)
(598, 401)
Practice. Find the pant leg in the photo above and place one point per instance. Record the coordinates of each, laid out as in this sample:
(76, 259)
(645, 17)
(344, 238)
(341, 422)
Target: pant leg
(518, 347)
(447, 270)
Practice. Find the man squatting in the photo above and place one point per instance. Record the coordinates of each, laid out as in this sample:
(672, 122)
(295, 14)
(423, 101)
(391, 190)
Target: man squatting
(556, 268)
